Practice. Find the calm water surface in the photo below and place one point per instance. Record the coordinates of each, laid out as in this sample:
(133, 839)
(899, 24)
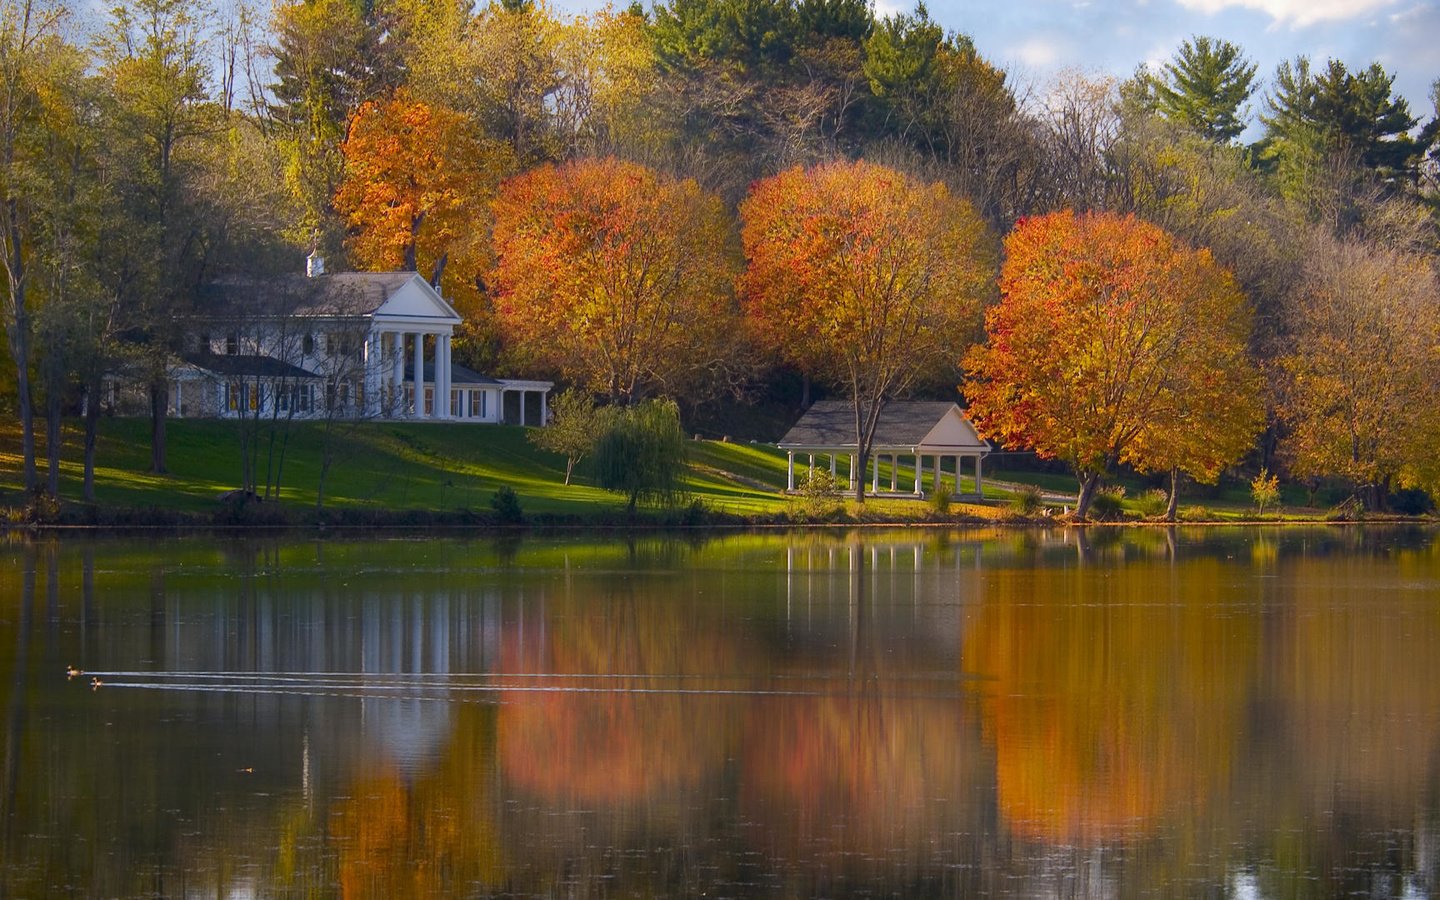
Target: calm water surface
(1227, 713)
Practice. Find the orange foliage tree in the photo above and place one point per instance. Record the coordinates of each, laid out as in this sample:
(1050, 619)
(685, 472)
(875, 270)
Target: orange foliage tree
(862, 276)
(418, 182)
(1113, 342)
(614, 274)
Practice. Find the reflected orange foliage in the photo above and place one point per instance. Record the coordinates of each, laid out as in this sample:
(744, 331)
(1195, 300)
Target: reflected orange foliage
(427, 837)
(1112, 709)
(608, 743)
(859, 768)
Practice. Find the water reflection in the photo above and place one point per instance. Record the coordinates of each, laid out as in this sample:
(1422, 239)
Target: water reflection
(990, 712)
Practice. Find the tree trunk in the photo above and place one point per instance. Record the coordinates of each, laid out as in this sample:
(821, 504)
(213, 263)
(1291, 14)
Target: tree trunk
(19, 334)
(92, 422)
(1174, 502)
(569, 467)
(52, 441)
(159, 401)
(1088, 483)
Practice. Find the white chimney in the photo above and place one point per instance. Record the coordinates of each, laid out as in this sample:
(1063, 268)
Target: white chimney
(314, 264)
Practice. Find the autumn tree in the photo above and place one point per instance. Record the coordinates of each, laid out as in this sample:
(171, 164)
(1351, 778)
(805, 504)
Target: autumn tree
(1203, 88)
(615, 275)
(28, 44)
(1114, 343)
(153, 55)
(416, 193)
(1355, 386)
(864, 277)
(330, 56)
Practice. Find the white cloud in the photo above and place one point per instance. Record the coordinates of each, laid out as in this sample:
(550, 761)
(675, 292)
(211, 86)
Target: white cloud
(1298, 13)
(887, 8)
(1037, 52)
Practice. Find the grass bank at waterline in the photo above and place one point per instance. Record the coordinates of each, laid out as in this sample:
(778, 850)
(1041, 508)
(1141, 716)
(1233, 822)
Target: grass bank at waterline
(437, 475)
(386, 474)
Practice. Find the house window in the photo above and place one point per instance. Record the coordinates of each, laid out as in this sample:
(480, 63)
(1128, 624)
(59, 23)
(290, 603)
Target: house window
(307, 345)
(430, 401)
(232, 345)
(456, 398)
(476, 407)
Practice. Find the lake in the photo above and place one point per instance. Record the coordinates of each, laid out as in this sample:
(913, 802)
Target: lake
(1247, 713)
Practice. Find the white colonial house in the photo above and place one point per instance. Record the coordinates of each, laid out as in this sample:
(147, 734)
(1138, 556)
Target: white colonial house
(349, 345)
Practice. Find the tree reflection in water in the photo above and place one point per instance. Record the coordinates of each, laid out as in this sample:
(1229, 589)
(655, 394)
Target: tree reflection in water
(1000, 713)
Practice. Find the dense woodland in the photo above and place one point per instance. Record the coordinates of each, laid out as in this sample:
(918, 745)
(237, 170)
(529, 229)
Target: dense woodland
(701, 198)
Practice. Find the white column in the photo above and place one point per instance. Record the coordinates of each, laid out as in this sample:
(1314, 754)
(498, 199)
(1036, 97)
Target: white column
(854, 475)
(419, 411)
(442, 376)
(372, 374)
(544, 407)
(832, 465)
(894, 472)
(522, 409)
(938, 459)
(919, 473)
(789, 470)
(875, 480)
(979, 478)
(397, 374)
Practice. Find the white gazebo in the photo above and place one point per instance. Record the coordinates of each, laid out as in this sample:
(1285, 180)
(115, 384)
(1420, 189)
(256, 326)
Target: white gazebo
(917, 435)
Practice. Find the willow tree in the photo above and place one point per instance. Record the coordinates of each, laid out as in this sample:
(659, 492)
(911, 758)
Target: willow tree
(1115, 343)
(864, 277)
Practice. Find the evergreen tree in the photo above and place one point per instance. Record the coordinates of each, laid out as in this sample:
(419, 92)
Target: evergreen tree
(1203, 88)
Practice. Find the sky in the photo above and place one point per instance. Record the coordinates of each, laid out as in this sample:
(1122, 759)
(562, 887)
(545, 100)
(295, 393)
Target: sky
(1034, 40)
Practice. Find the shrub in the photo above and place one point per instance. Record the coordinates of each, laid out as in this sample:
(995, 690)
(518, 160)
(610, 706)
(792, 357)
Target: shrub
(1026, 501)
(819, 494)
(1264, 490)
(940, 500)
(1108, 504)
(506, 504)
(1153, 503)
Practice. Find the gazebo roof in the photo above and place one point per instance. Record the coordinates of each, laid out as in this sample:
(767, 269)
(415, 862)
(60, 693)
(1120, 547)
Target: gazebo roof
(927, 426)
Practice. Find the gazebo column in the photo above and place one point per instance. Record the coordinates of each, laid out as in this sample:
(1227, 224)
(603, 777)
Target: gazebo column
(419, 411)
(789, 470)
(522, 407)
(832, 465)
(544, 408)
(919, 474)
(894, 472)
(854, 475)
(875, 463)
(938, 460)
(979, 478)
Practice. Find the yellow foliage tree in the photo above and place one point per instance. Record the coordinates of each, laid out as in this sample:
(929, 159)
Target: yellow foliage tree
(416, 193)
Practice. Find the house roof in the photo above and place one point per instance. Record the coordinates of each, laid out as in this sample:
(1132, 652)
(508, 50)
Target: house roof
(246, 366)
(341, 294)
(459, 375)
(929, 425)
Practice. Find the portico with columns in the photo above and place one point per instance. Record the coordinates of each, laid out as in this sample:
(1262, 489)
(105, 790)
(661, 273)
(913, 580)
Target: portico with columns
(917, 444)
(373, 345)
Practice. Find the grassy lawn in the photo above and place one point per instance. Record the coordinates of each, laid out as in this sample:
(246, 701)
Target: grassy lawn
(446, 468)
(392, 466)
